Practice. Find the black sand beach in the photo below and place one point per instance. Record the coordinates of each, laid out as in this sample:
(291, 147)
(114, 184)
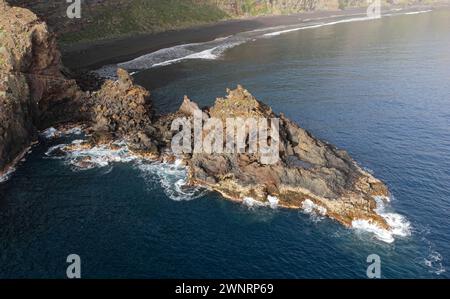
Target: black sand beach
(96, 54)
(92, 55)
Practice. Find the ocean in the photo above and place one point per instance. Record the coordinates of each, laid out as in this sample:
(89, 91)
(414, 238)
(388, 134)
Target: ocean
(378, 88)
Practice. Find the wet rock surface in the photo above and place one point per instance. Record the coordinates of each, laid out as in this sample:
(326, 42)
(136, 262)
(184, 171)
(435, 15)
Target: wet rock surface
(308, 168)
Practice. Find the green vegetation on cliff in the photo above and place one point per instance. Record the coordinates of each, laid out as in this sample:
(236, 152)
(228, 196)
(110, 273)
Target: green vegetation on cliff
(144, 16)
(104, 19)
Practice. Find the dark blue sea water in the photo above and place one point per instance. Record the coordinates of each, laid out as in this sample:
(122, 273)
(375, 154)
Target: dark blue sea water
(379, 89)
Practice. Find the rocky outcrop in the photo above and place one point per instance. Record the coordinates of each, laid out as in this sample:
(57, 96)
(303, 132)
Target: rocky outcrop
(36, 93)
(309, 174)
(33, 90)
(309, 170)
(122, 110)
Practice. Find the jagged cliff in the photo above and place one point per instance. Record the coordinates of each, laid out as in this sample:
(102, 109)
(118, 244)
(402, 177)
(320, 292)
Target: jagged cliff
(33, 90)
(308, 172)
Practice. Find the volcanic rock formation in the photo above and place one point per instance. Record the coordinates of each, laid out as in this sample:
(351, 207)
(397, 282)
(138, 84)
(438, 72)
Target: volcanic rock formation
(33, 89)
(308, 171)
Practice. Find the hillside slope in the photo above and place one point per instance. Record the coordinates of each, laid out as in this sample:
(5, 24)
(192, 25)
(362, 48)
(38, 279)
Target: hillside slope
(103, 19)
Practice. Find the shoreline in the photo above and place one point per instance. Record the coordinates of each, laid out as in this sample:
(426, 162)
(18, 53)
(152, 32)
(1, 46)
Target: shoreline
(92, 55)
(10, 168)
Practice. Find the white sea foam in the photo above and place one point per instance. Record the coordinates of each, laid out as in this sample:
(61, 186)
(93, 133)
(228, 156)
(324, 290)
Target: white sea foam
(332, 16)
(273, 201)
(252, 203)
(207, 51)
(7, 175)
(50, 133)
(310, 207)
(400, 226)
(348, 20)
(52, 150)
(418, 12)
(271, 34)
(316, 212)
(434, 262)
(99, 156)
(380, 233)
(96, 157)
(74, 131)
(214, 49)
(277, 33)
(209, 54)
(172, 178)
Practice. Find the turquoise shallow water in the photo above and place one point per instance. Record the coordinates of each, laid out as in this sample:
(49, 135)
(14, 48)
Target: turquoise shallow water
(378, 89)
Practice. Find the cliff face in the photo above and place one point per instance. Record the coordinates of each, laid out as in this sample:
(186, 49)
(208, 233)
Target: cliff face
(258, 7)
(33, 90)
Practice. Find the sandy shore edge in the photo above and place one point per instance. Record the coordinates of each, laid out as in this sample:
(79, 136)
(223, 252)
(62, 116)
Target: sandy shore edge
(92, 55)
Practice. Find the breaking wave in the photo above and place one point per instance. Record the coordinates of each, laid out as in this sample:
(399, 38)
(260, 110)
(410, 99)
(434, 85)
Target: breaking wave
(315, 211)
(172, 178)
(52, 133)
(418, 12)
(211, 50)
(400, 226)
(276, 33)
(252, 203)
(5, 176)
(84, 158)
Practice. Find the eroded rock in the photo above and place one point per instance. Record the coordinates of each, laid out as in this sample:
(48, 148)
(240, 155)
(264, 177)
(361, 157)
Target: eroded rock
(33, 90)
(308, 168)
(123, 110)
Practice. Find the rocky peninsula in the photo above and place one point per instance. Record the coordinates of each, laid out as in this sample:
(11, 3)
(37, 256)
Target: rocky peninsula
(36, 92)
